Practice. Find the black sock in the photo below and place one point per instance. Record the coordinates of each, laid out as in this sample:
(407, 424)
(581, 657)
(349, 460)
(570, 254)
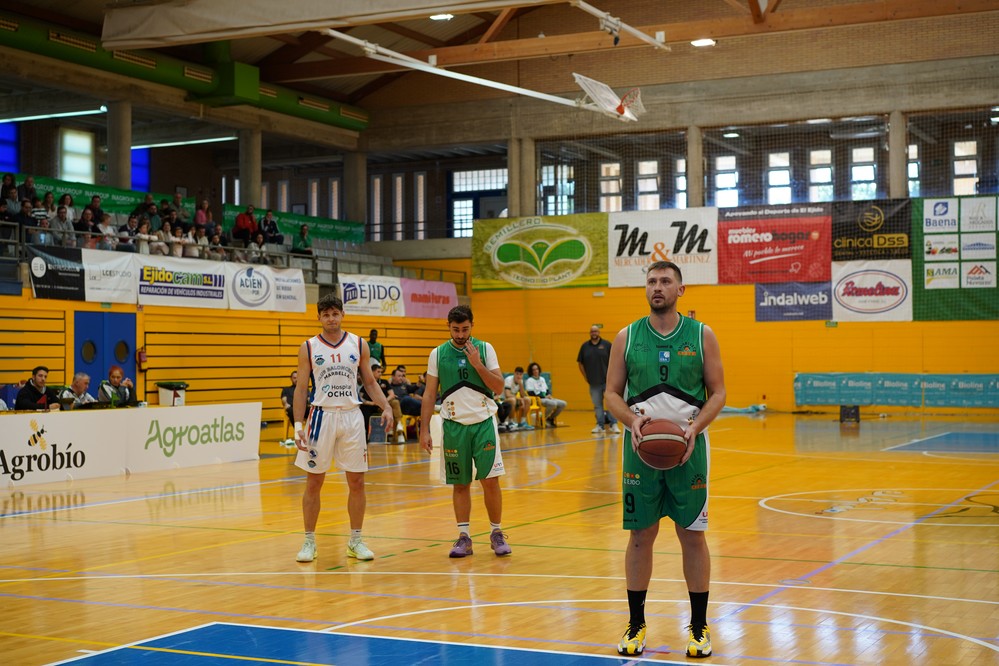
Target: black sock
(698, 610)
(636, 605)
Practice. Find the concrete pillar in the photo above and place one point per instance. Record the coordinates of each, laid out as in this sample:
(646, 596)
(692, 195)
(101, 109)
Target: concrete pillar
(120, 144)
(250, 157)
(528, 178)
(898, 156)
(695, 167)
(514, 175)
(355, 187)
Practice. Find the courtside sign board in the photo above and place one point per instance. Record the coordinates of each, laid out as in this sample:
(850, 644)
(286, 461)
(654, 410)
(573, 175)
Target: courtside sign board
(687, 237)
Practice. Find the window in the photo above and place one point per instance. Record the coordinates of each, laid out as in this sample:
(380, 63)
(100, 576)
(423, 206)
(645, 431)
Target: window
(265, 195)
(463, 214)
(398, 205)
(282, 196)
(912, 169)
(558, 188)
(863, 174)
(140, 169)
(9, 157)
(681, 182)
(647, 184)
(610, 187)
(779, 178)
(420, 205)
(479, 180)
(820, 175)
(76, 156)
(235, 190)
(726, 182)
(313, 207)
(965, 161)
(225, 191)
(376, 208)
(335, 213)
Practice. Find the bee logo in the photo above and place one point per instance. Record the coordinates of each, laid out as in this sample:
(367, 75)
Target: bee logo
(36, 438)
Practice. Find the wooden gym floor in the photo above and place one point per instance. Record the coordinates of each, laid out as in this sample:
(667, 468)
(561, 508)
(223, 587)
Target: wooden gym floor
(868, 544)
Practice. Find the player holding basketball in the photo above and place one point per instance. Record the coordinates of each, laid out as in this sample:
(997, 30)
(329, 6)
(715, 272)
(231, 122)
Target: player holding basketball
(667, 366)
(335, 428)
(468, 374)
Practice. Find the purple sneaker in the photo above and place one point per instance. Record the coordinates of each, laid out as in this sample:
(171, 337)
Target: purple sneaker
(498, 542)
(462, 547)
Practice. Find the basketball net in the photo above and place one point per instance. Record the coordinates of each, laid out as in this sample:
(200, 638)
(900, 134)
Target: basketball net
(632, 100)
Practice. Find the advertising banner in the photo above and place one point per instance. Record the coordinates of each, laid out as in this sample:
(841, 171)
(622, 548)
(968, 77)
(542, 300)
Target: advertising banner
(864, 230)
(289, 224)
(56, 272)
(372, 295)
(687, 237)
(954, 260)
(960, 390)
(774, 244)
(261, 287)
(113, 200)
(181, 282)
(872, 290)
(429, 299)
(904, 390)
(540, 252)
(794, 301)
(110, 277)
(46, 447)
(896, 389)
(816, 388)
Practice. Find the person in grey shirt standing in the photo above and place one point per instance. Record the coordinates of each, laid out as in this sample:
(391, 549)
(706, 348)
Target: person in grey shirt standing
(592, 360)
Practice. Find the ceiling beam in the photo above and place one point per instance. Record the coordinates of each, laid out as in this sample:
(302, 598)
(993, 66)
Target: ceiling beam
(555, 45)
(412, 34)
(498, 25)
(294, 51)
(772, 6)
(754, 8)
(738, 4)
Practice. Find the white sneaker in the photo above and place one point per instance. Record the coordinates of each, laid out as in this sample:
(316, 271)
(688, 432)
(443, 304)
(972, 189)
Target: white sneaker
(356, 548)
(615, 430)
(597, 431)
(308, 552)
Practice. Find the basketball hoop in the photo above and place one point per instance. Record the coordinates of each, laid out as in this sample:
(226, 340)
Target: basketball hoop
(632, 100)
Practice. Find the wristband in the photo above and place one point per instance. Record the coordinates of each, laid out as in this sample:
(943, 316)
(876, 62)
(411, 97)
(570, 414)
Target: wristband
(298, 426)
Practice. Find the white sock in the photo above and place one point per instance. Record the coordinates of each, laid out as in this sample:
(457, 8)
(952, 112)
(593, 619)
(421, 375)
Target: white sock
(310, 536)
(355, 535)
(463, 528)
(494, 526)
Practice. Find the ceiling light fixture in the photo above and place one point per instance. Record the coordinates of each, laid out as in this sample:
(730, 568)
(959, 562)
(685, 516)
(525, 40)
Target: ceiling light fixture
(442, 17)
(707, 41)
(731, 135)
(189, 142)
(67, 114)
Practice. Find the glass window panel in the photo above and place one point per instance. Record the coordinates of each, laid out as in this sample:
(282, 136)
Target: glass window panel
(914, 188)
(965, 148)
(610, 169)
(681, 165)
(913, 151)
(725, 162)
(648, 167)
(648, 184)
(648, 202)
(820, 157)
(863, 172)
(861, 191)
(820, 193)
(863, 154)
(681, 199)
(779, 177)
(726, 180)
(779, 195)
(727, 198)
(913, 168)
(780, 159)
(965, 167)
(610, 186)
(965, 185)
(820, 175)
(681, 183)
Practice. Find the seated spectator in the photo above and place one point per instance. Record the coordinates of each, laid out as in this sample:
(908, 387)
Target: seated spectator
(86, 228)
(76, 394)
(369, 408)
(513, 389)
(191, 249)
(203, 215)
(62, 228)
(288, 397)
(42, 235)
(165, 207)
(117, 389)
(164, 239)
(200, 240)
(26, 190)
(179, 240)
(143, 238)
(216, 252)
(67, 201)
(246, 226)
(302, 244)
(183, 215)
(257, 252)
(410, 395)
(23, 216)
(95, 206)
(13, 201)
(269, 228)
(8, 181)
(38, 210)
(144, 206)
(538, 387)
(503, 409)
(128, 235)
(7, 230)
(48, 203)
(108, 239)
(153, 215)
(34, 395)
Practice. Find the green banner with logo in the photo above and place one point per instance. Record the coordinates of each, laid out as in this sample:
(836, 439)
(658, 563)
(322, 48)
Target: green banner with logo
(113, 200)
(540, 252)
(289, 223)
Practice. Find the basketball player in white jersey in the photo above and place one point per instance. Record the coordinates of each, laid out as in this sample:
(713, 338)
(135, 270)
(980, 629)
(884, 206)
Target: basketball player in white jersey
(334, 430)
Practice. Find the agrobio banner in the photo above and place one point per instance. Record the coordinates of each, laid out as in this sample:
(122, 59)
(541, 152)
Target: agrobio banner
(260, 287)
(183, 282)
(872, 290)
(864, 230)
(687, 237)
(372, 295)
(540, 252)
(764, 244)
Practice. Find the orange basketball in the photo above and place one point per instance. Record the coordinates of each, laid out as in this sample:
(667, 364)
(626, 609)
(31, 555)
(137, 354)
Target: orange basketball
(662, 445)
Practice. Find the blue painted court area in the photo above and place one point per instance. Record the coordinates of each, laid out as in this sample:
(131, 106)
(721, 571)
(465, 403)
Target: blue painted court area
(954, 442)
(230, 644)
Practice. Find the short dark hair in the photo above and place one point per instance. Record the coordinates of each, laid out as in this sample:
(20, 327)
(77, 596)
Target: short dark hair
(328, 301)
(459, 314)
(37, 368)
(518, 369)
(663, 265)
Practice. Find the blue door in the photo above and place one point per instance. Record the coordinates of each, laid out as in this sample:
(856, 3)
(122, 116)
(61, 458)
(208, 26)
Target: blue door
(103, 339)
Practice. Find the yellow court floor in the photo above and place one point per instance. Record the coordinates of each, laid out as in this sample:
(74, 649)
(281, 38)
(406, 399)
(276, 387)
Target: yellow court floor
(832, 544)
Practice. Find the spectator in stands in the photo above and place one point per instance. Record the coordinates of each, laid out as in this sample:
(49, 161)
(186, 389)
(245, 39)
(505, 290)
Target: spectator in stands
(375, 348)
(143, 238)
(26, 190)
(513, 388)
(116, 389)
(302, 244)
(37, 210)
(203, 216)
(67, 201)
(153, 214)
(13, 201)
(246, 226)
(200, 238)
(144, 206)
(257, 252)
(41, 234)
(410, 396)
(95, 206)
(164, 239)
(537, 386)
(108, 239)
(179, 240)
(63, 228)
(76, 394)
(7, 182)
(165, 207)
(191, 248)
(24, 218)
(288, 397)
(86, 228)
(216, 252)
(7, 229)
(183, 214)
(34, 395)
(369, 408)
(504, 407)
(48, 203)
(171, 216)
(128, 235)
(269, 228)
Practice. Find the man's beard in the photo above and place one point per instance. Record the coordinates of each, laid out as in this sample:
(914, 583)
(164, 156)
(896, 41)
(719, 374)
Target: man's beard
(660, 308)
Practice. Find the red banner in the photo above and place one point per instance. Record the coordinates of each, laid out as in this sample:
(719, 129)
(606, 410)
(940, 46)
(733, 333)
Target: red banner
(791, 249)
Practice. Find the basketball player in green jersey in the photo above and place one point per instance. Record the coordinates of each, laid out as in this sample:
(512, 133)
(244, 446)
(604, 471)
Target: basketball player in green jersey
(666, 366)
(468, 374)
